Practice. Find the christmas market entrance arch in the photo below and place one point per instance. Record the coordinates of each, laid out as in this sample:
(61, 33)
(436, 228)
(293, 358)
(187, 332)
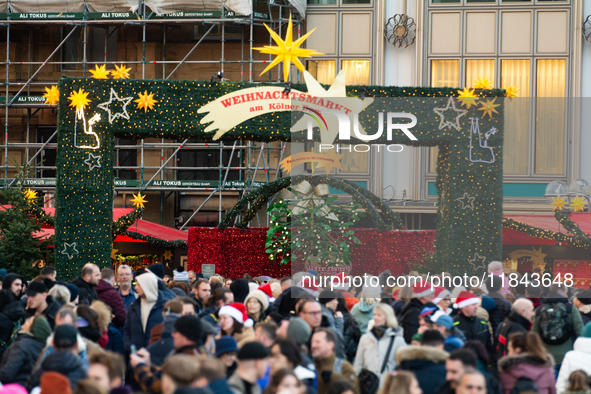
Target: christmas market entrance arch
(469, 191)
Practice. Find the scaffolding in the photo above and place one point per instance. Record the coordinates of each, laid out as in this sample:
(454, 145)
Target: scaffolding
(151, 165)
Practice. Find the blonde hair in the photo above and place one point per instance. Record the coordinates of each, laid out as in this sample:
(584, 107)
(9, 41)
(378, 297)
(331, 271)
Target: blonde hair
(60, 293)
(398, 382)
(389, 313)
(369, 300)
(104, 314)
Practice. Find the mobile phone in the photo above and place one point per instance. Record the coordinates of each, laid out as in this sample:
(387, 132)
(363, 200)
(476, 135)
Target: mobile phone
(133, 349)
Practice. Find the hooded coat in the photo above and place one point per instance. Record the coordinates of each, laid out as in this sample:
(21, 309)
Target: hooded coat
(20, 358)
(410, 317)
(526, 364)
(145, 313)
(62, 362)
(578, 358)
(112, 298)
(362, 313)
(11, 311)
(427, 363)
(371, 352)
(161, 348)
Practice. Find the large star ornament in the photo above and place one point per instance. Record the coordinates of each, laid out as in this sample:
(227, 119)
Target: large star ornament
(467, 201)
(478, 259)
(93, 161)
(338, 94)
(69, 250)
(451, 106)
(112, 114)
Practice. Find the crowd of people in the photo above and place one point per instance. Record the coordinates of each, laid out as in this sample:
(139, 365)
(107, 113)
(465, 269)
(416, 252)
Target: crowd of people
(148, 332)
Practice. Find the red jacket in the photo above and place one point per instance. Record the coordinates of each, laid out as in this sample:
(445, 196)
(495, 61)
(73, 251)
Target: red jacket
(111, 297)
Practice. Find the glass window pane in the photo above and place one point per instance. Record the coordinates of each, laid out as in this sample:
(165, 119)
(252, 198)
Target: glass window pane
(480, 1)
(444, 73)
(322, 70)
(517, 114)
(322, 2)
(356, 72)
(356, 1)
(550, 116)
(480, 69)
(445, 1)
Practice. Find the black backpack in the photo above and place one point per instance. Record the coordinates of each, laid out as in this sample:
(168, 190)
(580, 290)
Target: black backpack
(555, 328)
(524, 385)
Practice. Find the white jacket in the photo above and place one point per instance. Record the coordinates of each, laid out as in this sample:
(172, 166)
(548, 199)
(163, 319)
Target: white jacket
(579, 358)
(371, 352)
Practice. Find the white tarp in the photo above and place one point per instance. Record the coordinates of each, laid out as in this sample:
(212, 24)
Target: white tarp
(299, 5)
(27, 6)
(242, 7)
(112, 5)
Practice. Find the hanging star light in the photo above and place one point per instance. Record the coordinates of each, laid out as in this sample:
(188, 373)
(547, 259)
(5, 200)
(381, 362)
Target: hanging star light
(511, 91)
(488, 108)
(482, 83)
(467, 97)
(146, 101)
(121, 72)
(139, 200)
(52, 95)
(79, 99)
(287, 51)
(100, 72)
(559, 203)
(30, 194)
(578, 204)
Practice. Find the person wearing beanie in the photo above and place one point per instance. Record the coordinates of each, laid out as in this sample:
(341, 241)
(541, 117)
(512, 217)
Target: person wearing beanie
(473, 327)
(19, 359)
(363, 310)
(145, 312)
(55, 383)
(74, 293)
(422, 296)
(180, 275)
(234, 322)
(496, 268)
(39, 303)
(240, 289)
(157, 269)
(11, 307)
(252, 365)
(257, 302)
(582, 302)
(226, 350)
(331, 318)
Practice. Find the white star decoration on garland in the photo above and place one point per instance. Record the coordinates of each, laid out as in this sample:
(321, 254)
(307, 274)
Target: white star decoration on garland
(477, 258)
(116, 115)
(93, 161)
(441, 112)
(69, 250)
(467, 201)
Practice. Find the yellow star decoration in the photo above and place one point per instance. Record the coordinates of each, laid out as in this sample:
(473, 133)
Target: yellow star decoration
(121, 72)
(30, 194)
(559, 203)
(100, 72)
(79, 99)
(511, 91)
(146, 101)
(467, 97)
(578, 204)
(482, 83)
(139, 200)
(167, 255)
(287, 51)
(113, 252)
(52, 95)
(489, 108)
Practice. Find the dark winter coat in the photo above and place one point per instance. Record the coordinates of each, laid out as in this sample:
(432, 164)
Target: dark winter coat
(585, 311)
(351, 336)
(19, 359)
(87, 291)
(115, 343)
(498, 314)
(111, 297)
(427, 363)
(410, 317)
(526, 364)
(11, 314)
(512, 324)
(210, 315)
(49, 313)
(62, 362)
(161, 348)
(474, 328)
(133, 332)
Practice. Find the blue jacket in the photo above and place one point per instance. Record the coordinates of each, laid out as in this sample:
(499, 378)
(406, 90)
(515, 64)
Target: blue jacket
(133, 333)
(128, 299)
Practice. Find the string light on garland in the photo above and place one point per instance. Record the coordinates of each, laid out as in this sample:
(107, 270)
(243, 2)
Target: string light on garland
(146, 101)
(100, 72)
(139, 200)
(121, 72)
(482, 83)
(578, 204)
(52, 95)
(558, 203)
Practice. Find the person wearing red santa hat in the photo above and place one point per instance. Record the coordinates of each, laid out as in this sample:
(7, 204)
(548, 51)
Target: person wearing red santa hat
(422, 296)
(442, 299)
(473, 327)
(235, 322)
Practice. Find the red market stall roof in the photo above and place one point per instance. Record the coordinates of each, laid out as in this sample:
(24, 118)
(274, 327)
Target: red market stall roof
(140, 226)
(546, 222)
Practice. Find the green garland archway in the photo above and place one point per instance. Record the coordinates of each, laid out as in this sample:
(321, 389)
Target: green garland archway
(386, 220)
